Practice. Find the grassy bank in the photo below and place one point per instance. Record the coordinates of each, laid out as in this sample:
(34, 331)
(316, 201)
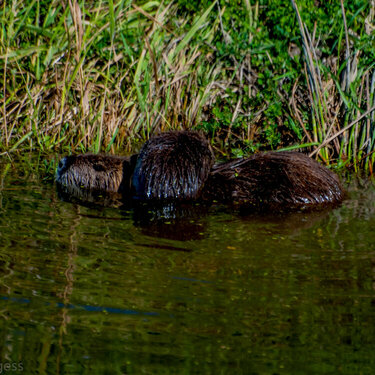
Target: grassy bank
(254, 75)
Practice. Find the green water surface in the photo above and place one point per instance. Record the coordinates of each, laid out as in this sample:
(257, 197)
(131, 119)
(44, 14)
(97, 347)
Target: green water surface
(88, 290)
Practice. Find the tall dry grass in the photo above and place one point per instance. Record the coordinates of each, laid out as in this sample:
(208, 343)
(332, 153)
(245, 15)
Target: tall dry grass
(104, 75)
(99, 75)
(341, 95)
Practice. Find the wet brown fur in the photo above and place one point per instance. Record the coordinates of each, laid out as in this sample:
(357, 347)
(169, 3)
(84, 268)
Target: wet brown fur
(173, 165)
(177, 165)
(96, 172)
(274, 180)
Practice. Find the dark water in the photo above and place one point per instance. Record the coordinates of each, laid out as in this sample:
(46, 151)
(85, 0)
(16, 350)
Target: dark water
(91, 290)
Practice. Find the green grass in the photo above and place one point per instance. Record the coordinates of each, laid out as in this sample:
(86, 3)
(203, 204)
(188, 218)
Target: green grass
(341, 97)
(102, 76)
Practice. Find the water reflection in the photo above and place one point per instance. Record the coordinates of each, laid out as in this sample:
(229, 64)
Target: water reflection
(95, 289)
(184, 221)
(175, 221)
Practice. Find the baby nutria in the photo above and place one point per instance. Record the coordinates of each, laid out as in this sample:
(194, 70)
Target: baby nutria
(274, 180)
(172, 165)
(96, 172)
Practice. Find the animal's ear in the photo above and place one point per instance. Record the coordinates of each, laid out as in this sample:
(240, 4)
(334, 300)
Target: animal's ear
(66, 162)
(62, 163)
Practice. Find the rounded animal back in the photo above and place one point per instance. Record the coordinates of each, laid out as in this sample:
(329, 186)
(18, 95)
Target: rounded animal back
(173, 165)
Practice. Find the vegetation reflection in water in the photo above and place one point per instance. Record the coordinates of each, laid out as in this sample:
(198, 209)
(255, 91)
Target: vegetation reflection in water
(89, 290)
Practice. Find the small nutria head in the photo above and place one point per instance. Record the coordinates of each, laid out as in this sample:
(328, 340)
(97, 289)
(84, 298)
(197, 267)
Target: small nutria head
(172, 166)
(96, 172)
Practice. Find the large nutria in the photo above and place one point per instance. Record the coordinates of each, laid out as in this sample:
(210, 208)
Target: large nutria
(274, 180)
(172, 166)
(96, 172)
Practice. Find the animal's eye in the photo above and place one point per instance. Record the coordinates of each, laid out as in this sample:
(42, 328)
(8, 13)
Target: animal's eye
(61, 164)
(99, 167)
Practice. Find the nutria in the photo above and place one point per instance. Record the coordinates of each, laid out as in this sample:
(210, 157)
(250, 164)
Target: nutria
(96, 172)
(173, 165)
(274, 181)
